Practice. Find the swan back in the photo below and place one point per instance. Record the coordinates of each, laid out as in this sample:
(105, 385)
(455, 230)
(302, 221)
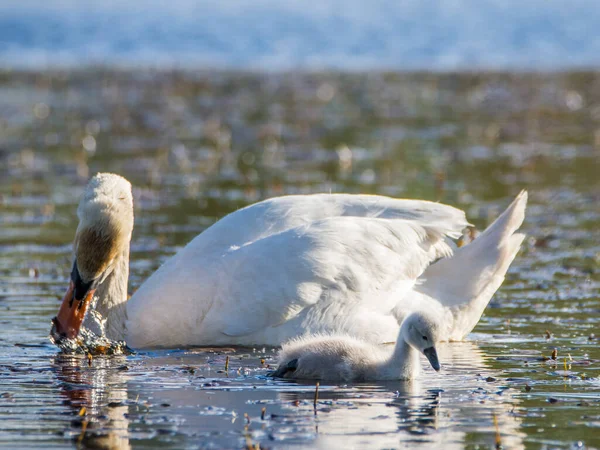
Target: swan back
(293, 265)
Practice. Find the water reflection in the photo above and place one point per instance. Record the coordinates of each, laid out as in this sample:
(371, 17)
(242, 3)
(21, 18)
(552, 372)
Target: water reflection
(98, 396)
(451, 409)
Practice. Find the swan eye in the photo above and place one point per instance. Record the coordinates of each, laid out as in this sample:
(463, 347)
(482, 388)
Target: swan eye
(425, 337)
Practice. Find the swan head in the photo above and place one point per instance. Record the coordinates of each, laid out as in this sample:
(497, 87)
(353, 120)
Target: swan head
(105, 215)
(422, 331)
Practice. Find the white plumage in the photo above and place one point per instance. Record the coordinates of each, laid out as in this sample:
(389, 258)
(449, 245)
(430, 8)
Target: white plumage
(345, 358)
(324, 263)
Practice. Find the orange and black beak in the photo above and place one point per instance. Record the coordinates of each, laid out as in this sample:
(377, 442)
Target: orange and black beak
(74, 305)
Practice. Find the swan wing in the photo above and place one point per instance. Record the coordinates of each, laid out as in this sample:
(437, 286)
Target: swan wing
(275, 215)
(290, 265)
(334, 266)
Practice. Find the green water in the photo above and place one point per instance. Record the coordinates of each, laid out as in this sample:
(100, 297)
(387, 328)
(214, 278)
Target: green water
(199, 145)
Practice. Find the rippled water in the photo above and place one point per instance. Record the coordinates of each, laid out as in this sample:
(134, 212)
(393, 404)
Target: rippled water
(199, 145)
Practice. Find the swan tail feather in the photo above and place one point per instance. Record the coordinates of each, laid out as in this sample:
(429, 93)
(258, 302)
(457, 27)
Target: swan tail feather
(466, 282)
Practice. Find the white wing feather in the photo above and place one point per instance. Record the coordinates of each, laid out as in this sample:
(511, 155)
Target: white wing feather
(338, 262)
(275, 215)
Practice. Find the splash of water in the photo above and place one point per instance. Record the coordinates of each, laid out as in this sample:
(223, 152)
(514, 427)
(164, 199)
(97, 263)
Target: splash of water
(91, 339)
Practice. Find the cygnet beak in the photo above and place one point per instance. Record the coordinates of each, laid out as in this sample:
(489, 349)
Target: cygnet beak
(432, 356)
(67, 322)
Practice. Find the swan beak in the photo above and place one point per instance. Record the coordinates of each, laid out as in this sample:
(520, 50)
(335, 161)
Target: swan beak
(70, 316)
(432, 356)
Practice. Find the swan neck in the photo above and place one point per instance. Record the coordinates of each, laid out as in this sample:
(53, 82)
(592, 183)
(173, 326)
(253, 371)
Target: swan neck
(404, 363)
(112, 297)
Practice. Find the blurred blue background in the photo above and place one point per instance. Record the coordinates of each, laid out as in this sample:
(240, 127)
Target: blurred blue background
(280, 35)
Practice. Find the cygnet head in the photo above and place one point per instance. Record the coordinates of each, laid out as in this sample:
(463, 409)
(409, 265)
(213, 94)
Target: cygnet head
(422, 331)
(105, 225)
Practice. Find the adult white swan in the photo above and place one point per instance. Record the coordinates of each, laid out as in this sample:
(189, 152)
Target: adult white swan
(325, 263)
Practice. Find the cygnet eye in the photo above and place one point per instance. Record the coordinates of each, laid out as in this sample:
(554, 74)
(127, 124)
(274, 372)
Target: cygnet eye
(425, 337)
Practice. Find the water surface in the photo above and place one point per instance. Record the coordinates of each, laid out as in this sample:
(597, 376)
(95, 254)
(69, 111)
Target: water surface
(198, 145)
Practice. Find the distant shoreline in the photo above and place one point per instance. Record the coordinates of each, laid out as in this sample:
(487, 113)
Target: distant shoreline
(211, 70)
(270, 35)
